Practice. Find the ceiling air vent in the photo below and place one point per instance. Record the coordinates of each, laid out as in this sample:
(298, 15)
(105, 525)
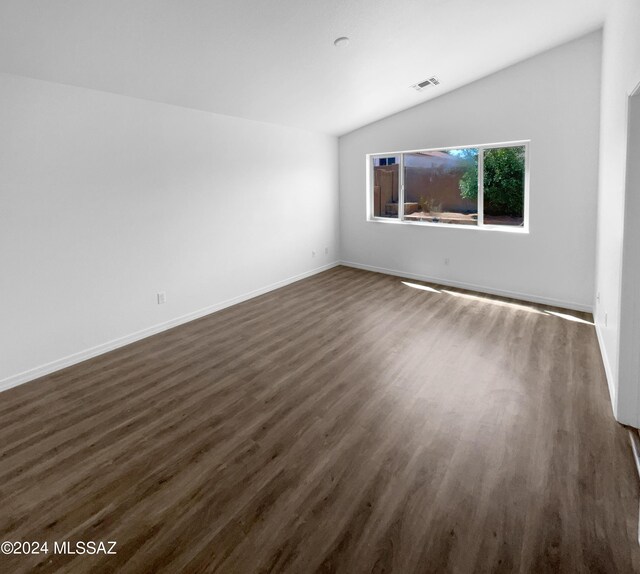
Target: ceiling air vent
(433, 81)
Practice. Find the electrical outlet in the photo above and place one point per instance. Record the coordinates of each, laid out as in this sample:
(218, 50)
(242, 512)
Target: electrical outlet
(446, 261)
(326, 251)
(605, 319)
(598, 297)
(313, 254)
(162, 298)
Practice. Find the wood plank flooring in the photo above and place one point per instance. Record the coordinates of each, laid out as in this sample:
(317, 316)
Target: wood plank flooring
(346, 423)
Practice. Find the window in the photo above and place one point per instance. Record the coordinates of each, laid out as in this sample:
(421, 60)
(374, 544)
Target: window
(380, 161)
(477, 186)
(386, 178)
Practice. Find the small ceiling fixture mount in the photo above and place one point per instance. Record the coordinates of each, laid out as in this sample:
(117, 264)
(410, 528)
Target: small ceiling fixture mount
(341, 42)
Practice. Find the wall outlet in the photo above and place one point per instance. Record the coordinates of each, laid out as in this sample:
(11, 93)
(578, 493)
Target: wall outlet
(605, 319)
(598, 297)
(162, 298)
(446, 261)
(326, 251)
(313, 254)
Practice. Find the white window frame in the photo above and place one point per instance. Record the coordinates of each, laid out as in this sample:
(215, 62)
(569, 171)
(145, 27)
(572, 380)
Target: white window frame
(400, 220)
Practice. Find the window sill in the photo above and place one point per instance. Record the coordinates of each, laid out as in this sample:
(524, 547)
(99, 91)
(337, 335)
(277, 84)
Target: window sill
(498, 228)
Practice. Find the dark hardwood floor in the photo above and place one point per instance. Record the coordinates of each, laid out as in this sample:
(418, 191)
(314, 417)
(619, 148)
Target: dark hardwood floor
(345, 423)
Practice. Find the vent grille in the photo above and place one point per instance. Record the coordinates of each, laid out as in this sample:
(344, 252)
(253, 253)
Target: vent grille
(433, 81)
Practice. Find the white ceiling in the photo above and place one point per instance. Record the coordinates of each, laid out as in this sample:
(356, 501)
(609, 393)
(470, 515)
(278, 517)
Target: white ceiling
(274, 60)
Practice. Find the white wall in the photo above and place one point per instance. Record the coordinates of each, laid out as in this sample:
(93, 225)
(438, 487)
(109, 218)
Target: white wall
(106, 200)
(551, 99)
(620, 74)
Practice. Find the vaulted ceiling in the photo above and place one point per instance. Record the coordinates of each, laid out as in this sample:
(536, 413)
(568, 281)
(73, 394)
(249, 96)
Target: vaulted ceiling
(274, 60)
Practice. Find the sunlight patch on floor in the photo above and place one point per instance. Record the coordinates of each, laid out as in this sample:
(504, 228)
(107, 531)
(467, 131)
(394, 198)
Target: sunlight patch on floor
(568, 317)
(493, 302)
(479, 298)
(421, 287)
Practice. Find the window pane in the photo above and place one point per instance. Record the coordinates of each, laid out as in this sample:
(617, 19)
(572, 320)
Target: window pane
(442, 186)
(504, 186)
(385, 187)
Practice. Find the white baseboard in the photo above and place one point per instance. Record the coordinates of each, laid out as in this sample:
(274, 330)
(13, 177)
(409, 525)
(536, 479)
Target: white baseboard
(473, 287)
(607, 370)
(48, 368)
